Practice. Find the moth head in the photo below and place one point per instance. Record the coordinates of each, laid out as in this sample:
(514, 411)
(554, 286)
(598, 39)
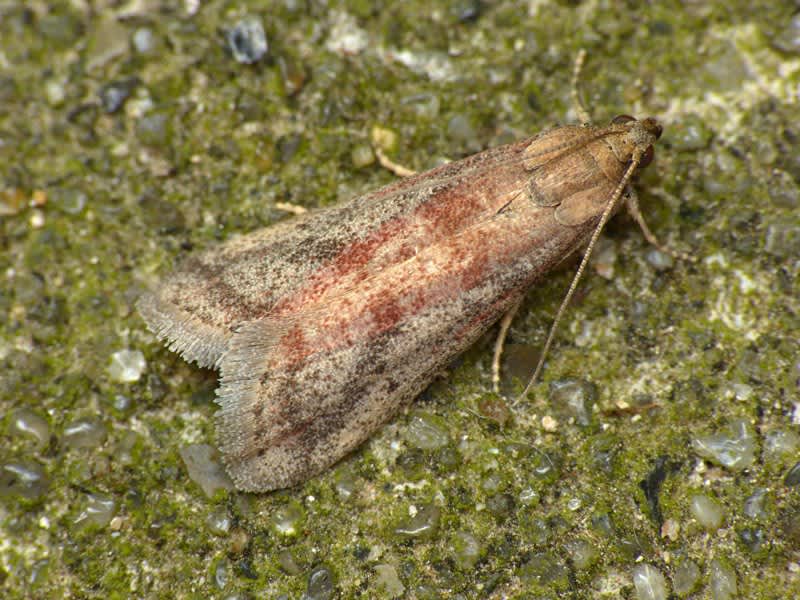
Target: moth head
(636, 139)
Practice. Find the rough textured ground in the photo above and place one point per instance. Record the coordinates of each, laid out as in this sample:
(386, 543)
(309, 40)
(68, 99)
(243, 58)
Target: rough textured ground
(129, 134)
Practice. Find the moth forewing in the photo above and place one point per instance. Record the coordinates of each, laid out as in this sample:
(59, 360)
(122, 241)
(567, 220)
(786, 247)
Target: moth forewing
(281, 269)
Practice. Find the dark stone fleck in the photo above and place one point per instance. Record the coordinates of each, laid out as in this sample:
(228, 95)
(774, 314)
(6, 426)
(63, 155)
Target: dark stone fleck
(247, 40)
(467, 10)
(114, 94)
(753, 538)
(604, 450)
(651, 485)
(247, 570)
(660, 27)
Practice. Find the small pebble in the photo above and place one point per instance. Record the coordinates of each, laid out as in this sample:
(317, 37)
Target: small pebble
(23, 478)
(670, 529)
(346, 36)
(144, 40)
(692, 134)
(722, 581)
(153, 129)
(734, 448)
(782, 240)
(114, 94)
(582, 553)
(362, 156)
(460, 130)
(107, 40)
(742, 391)
(288, 562)
(649, 582)
(426, 431)
(685, 576)
(321, 585)
(238, 541)
(39, 572)
(98, 511)
(205, 468)
(545, 572)
(535, 531)
(345, 484)
(287, 519)
(293, 75)
(707, 511)
(529, 497)
(424, 105)
(123, 452)
(219, 522)
(26, 423)
(422, 524)
(780, 444)
(792, 478)
(466, 550)
(574, 399)
(121, 402)
(221, 573)
(68, 200)
(247, 40)
(88, 432)
(467, 10)
(754, 506)
(388, 582)
(55, 92)
(127, 366)
(753, 537)
(12, 201)
(660, 261)
(495, 409)
(788, 38)
(500, 505)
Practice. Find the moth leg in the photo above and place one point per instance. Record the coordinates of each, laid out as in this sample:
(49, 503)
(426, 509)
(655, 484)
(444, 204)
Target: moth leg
(577, 105)
(388, 164)
(632, 202)
(499, 343)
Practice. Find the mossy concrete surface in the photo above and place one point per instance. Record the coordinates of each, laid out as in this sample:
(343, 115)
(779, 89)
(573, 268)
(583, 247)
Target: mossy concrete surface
(130, 134)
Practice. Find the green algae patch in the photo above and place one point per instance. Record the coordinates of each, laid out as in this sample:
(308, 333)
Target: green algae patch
(122, 153)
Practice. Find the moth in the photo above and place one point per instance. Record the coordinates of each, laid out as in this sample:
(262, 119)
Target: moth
(324, 326)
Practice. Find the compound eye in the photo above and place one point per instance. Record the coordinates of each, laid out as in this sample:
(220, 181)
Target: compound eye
(658, 130)
(647, 157)
(622, 119)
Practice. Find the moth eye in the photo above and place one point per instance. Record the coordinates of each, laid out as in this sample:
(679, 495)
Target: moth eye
(658, 130)
(622, 119)
(647, 157)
